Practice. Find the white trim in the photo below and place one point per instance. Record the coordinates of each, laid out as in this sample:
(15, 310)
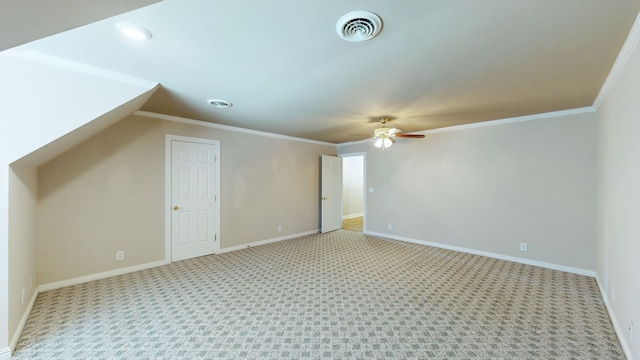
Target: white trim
(488, 254)
(268, 241)
(99, 276)
(542, 116)
(168, 138)
(351, 216)
(364, 184)
(226, 127)
(23, 321)
(603, 291)
(5, 354)
(73, 65)
(619, 329)
(629, 46)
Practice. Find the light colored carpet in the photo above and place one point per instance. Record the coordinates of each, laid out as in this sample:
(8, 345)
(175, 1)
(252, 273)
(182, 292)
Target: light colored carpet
(353, 224)
(341, 295)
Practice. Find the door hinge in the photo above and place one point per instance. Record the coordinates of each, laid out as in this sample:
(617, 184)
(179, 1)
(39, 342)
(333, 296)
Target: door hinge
(215, 237)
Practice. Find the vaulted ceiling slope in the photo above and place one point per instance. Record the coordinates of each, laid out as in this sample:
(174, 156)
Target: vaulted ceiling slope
(435, 63)
(22, 21)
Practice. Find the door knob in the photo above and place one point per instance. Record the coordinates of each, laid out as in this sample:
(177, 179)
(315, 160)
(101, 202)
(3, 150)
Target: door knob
(325, 198)
(176, 208)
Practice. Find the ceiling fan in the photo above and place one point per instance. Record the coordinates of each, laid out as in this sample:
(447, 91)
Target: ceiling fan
(385, 136)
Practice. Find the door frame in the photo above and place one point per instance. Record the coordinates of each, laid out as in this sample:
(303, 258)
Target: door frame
(168, 138)
(364, 185)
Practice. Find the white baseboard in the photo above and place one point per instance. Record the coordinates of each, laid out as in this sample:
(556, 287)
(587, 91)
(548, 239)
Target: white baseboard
(603, 291)
(267, 241)
(351, 216)
(488, 254)
(23, 322)
(620, 331)
(102, 275)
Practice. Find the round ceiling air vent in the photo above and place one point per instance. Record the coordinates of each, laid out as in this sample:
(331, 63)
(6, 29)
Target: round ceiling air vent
(359, 26)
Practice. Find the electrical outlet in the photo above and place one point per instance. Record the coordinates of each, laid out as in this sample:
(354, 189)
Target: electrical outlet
(523, 247)
(389, 226)
(22, 296)
(279, 228)
(630, 328)
(120, 255)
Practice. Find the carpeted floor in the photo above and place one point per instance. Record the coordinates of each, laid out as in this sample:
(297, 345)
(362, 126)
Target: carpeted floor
(341, 295)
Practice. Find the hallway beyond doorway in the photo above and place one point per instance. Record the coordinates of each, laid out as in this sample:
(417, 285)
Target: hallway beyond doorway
(353, 224)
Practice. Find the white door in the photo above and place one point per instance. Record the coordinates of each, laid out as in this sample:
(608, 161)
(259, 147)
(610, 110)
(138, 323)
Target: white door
(193, 199)
(331, 198)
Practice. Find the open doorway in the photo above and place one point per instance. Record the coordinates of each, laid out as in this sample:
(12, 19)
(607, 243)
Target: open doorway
(353, 185)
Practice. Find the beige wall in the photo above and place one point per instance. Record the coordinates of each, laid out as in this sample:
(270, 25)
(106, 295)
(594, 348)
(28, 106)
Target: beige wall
(489, 188)
(36, 110)
(107, 194)
(23, 196)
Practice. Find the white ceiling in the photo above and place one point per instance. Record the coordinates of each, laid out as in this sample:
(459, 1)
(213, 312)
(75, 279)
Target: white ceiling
(436, 63)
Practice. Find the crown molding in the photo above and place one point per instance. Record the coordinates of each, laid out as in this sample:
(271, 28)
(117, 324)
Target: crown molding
(542, 116)
(629, 46)
(226, 127)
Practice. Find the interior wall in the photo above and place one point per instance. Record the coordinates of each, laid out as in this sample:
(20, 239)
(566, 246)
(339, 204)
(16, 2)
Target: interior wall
(5, 333)
(112, 190)
(96, 199)
(352, 186)
(23, 190)
(36, 110)
(491, 187)
(619, 202)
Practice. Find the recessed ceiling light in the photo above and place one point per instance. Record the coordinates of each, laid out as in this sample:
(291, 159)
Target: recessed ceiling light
(220, 103)
(133, 31)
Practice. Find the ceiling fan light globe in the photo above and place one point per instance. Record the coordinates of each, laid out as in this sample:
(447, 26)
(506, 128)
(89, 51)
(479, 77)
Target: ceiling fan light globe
(383, 142)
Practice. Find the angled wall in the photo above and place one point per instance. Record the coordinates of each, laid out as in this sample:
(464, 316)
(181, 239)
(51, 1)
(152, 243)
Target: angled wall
(43, 105)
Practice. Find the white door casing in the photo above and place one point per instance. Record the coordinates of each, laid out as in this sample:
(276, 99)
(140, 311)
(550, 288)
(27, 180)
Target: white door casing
(363, 155)
(331, 194)
(193, 199)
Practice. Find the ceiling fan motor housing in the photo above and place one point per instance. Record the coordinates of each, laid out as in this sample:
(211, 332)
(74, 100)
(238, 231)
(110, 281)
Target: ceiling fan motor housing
(385, 131)
(380, 132)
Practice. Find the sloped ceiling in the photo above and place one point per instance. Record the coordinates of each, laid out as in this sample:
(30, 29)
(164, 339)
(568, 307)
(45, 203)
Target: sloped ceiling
(435, 63)
(22, 21)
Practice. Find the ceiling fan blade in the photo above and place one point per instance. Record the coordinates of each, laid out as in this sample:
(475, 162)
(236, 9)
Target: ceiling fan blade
(415, 136)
